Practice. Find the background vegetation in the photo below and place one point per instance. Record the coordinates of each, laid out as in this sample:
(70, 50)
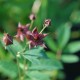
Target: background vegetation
(63, 41)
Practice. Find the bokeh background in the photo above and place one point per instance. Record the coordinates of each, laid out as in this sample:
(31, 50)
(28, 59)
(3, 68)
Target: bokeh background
(64, 32)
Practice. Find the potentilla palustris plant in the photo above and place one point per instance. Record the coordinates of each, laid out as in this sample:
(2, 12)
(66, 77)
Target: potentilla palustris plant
(34, 37)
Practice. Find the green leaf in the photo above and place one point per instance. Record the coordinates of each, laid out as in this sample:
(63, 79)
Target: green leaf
(72, 47)
(14, 48)
(75, 17)
(37, 75)
(70, 58)
(8, 68)
(46, 64)
(63, 35)
(51, 43)
(51, 55)
(35, 54)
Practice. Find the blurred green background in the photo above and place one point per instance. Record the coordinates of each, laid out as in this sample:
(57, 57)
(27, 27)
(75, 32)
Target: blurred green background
(64, 33)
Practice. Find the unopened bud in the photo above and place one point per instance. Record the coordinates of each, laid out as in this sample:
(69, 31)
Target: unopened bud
(32, 17)
(47, 22)
(7, 39)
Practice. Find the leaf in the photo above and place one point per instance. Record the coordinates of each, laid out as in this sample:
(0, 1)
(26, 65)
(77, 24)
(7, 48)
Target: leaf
(14, 48)
(33, 60)
(51, 55)
(70, 58)
(8, 68)
(38, 75)
(46, 64)
(72, 47)
(63, 35)
(75, 17)
(51, 44)
(34, 55)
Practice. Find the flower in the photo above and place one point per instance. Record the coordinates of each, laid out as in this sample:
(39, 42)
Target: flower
(35, 38)
(21, 31)
(47, 22)
(32, 17)
(7, 39)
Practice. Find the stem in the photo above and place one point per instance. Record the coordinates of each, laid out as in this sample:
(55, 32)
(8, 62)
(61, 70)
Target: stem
(42, 29)
(31, 24)
(24, 62)
(24, 69)
(23, 50)
(18, 68)
(59, 54)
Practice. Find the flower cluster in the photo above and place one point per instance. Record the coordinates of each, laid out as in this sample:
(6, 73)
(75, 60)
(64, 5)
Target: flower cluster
(34, 37)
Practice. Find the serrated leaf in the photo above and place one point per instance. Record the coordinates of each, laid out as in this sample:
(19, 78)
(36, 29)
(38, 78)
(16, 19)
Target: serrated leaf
(35, 54)
(63, 35)
(72, 47)
(8, 68)
(46, 64)
(70, 58)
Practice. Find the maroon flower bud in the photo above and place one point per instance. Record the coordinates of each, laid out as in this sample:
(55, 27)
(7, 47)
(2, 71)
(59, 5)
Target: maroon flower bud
(7, 39)
(32, 17)
(47, 22)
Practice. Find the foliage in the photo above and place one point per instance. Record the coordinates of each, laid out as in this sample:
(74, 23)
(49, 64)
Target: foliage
(64, 14)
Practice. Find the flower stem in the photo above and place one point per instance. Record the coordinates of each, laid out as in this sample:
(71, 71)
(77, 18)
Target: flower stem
(22, 50)
(24, 62)
(31, 23)
(42, 29)
(18, 67)
(24, 69)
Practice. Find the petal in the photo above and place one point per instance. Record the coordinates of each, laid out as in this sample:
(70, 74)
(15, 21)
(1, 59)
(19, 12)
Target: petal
(45, 35)
(22, 37)
(19, 25)
(19, 36)
(43, 45)
(41, 36)
(31, 44)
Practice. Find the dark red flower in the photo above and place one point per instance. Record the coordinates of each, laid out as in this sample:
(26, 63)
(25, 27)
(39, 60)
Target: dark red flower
(47, 22)
(7, 39)
(21, 31)
(35, 38)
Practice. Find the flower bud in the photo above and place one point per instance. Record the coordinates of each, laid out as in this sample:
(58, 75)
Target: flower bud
(7, 39)
(47, 22)
(32, 17)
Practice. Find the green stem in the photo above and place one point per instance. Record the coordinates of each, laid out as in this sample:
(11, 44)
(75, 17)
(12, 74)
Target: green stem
(23, 50)
(42, 29)
(18, 68)
(31, 24)
(24, 69)
(24, 62)
(59, 54)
